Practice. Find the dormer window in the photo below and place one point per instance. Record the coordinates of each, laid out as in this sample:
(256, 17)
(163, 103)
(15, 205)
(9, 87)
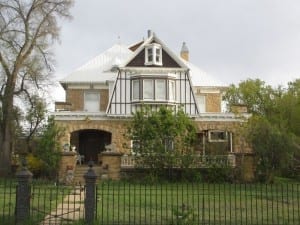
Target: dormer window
(153, 55)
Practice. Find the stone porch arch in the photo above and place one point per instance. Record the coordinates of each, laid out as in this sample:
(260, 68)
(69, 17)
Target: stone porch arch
(117, 129)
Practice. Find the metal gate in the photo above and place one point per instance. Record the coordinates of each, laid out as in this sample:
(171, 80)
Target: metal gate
(50, 204)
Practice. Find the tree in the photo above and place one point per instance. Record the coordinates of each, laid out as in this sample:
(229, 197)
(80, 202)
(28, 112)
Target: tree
(48, 148)
(162, 139)
(254, 94)
(27, 30)
(34, 118)
(273, 131)
(273, 147)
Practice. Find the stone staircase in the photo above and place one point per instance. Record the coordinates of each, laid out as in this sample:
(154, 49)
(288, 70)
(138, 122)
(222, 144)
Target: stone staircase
(81, 170)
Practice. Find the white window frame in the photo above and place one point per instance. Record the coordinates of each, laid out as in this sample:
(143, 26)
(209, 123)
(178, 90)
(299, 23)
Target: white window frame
(152, 89)
(219, 139)
(96, 102)
(156, 52)
(172, 90)
(135, 96)
(201, 101)
(162, 97)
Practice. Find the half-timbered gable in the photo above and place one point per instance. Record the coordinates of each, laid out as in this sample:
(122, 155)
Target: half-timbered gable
(153, 76)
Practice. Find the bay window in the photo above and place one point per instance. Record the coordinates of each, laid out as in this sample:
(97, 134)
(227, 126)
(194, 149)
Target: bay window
(153, 89)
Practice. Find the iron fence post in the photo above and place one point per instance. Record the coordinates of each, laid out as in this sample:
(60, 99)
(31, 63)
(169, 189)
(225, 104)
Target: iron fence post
(90, 194)
(23, 194)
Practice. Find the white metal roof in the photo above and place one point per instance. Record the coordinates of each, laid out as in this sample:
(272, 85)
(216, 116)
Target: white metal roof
(201, 78)
(98, 69)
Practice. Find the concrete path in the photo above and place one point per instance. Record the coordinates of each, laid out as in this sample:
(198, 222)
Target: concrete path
(70, 210)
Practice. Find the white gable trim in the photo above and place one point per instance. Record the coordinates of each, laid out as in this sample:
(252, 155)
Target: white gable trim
(164, 47)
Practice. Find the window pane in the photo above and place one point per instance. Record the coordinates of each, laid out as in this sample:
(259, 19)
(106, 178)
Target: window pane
(150, 54)
(135, 89)
(201, 103)
(160, 89)
(158, 55)
(91, 101)
(172, 90)
(148, 89)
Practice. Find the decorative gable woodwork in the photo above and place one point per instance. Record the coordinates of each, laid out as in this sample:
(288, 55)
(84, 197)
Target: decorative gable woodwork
(167, 61)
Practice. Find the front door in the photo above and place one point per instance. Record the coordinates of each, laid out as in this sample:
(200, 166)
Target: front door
(92, 142)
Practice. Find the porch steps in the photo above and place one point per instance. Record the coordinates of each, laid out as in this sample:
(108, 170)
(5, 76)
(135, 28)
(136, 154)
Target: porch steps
(81, 170)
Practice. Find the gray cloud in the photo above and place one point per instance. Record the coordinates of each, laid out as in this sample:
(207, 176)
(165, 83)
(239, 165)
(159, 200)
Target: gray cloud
(232, 40)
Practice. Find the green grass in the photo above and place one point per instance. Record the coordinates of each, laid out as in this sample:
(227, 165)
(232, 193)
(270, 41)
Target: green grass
(169, 203)
(45, 197)
(121, 203)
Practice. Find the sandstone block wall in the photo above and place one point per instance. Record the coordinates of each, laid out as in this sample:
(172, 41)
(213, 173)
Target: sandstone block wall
(213, 102)
(76, 97)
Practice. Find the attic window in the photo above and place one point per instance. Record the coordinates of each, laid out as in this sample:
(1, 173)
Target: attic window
(153, 55)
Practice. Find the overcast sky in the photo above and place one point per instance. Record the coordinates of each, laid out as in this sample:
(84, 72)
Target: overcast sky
(231, 40)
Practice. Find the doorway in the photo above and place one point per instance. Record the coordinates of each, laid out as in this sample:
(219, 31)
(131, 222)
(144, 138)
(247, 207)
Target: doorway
(90, 143)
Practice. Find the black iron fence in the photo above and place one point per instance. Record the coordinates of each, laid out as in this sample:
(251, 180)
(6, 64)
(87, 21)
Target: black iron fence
(107, 203)
(190, 204)
(48, 203)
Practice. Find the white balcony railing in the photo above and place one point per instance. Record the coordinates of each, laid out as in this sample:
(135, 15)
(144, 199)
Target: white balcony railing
(201, 161)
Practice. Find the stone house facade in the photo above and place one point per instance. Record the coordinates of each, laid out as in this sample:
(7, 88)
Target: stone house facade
(102, 95)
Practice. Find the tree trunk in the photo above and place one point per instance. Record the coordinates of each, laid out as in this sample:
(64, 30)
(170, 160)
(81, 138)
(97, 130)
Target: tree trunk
(5, 157)
(6, 130)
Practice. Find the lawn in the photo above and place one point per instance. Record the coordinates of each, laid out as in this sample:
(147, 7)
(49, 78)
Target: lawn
(169, 203)
(44, 198)
(124, 203)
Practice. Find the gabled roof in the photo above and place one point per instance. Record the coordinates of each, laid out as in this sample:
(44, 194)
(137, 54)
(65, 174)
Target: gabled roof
(154, 38)
(98, 69)
(201, 78)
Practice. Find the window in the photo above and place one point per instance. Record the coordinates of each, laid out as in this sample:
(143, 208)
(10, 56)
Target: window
(153, 54)
(201, 103)
(217, 136)
(92, 101)
(136, 89)
(160, 89)
(150, 54)
(171, 90)
(148, 89)
(135, 146)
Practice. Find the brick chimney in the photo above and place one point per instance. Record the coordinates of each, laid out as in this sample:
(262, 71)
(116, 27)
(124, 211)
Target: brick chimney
(184, 53)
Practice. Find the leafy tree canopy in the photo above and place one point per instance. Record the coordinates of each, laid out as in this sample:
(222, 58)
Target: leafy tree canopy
(274, 129)
(162, 139)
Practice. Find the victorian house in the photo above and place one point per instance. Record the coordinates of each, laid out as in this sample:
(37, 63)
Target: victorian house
(102, 95)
